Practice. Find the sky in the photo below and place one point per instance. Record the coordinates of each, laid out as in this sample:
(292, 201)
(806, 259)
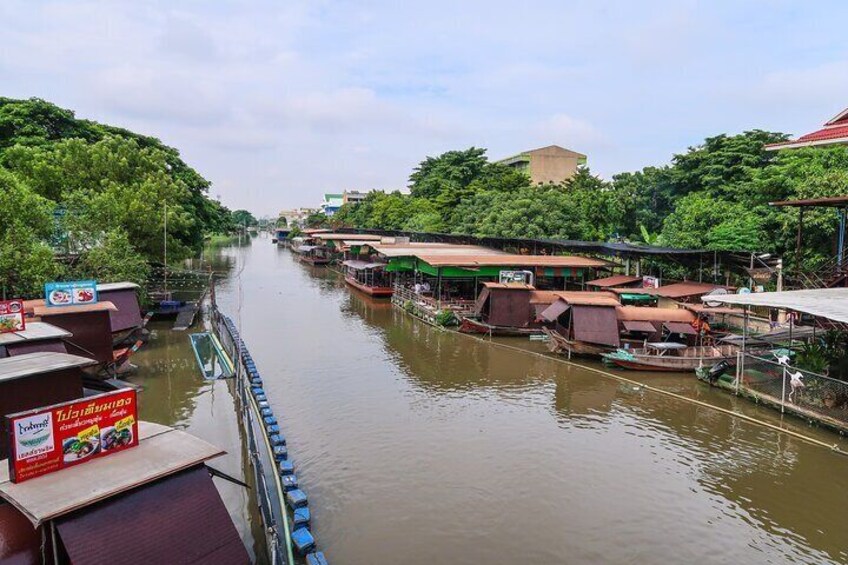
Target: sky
(279, 102)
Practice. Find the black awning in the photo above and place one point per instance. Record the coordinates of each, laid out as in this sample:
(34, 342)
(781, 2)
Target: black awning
(178, 519)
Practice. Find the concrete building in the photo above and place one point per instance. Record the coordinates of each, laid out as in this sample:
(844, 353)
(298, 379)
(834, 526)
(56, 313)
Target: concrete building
(354, 196)
(332, 203)
(547, 164)
(297, 217)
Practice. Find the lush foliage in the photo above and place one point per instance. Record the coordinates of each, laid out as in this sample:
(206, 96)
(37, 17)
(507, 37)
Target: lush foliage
(93, 192)
(714, 196)
(244, 218)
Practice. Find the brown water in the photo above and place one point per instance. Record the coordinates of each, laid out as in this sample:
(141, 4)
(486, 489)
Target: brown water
(420, 446)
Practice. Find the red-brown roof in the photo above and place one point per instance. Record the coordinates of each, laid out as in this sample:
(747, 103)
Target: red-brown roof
(682, 289)
(586, 298)
(835, 131)
(615, 280)
(506, 260)
(511, 285)
(648, 314)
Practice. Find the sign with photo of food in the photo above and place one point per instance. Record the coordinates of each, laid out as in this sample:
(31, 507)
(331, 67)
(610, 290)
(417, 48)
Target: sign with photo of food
(71, 293)
(12, 316)
(49, 439)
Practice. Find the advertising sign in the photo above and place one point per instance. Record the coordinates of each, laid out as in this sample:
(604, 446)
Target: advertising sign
(72, 293)
(525, 277)
(56, 437)
(12, 316)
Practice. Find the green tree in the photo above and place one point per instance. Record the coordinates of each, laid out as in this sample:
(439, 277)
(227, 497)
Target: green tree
(113, 259)
(244, 218)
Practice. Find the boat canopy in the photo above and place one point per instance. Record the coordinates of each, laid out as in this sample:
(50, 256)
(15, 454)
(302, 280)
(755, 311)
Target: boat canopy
(666, 345)
(306, 248)
(362, 265)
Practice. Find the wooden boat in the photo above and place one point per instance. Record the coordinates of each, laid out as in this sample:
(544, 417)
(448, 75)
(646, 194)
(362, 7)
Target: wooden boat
(312, 260)
(673, 357)
(375, 291)
(559, 344)
(474, 326)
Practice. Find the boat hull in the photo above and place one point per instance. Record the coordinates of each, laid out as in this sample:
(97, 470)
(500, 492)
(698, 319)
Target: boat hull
(314, 261)
(563, 346)
(669, 363)
(375, 291)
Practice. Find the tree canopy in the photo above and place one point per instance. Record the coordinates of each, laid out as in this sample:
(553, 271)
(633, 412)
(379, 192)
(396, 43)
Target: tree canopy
(94, 191)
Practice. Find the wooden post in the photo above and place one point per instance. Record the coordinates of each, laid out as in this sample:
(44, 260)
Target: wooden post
(798, 239)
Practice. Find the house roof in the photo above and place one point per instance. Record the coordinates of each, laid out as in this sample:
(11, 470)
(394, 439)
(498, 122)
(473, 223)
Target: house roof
(835, 131)
(416, 249)
(587, 298)
(615, 280)
(649, 314)
(161, 451)
(682, 289)
(508, 260)
(825, 202)
(346, 236)
(362, 265)
(44, 310)
(509, 285)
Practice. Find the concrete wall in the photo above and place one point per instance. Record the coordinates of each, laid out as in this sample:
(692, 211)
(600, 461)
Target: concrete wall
(553, 164)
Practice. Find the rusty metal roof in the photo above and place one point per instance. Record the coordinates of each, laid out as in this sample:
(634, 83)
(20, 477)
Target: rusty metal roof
(588, 298)
(38, 363)
(510, 285)
(650, 314)
(344, 236)
(682, 289)
(178, 519)
(35, 331)
(415, 249)
(615, 280)
(508, 260)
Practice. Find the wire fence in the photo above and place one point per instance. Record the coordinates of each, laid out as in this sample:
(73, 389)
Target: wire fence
(795, 390)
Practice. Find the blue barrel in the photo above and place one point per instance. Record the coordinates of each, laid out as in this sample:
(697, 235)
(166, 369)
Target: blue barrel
(302, 517)
(289, 482)
(303, 540)
(286, 467)
(297, 498)
(316, 558)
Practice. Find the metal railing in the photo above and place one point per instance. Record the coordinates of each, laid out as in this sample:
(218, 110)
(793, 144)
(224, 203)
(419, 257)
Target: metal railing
(795, 390)
(457, 305)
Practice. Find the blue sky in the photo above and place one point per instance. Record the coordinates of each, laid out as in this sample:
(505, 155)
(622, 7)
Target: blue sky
(279, 102)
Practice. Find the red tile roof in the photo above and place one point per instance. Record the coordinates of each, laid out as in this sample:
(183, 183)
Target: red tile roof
(834, 131)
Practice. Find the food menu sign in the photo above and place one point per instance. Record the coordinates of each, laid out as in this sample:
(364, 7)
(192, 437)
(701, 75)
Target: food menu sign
(56, 437)
(12, 316)
(71, 293)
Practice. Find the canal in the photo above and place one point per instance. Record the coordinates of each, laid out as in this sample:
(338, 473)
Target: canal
(422, 446)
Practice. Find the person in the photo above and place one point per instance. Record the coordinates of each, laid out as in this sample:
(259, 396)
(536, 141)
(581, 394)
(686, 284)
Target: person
(426, 286)
(418, 288)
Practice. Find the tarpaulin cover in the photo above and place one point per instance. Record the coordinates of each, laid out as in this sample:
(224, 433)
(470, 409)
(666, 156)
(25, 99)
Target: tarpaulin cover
(639, 326)
(596, 324)
(680, 328)
(178, 519)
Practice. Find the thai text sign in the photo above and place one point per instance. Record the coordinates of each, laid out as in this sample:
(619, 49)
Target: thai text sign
(12, 316)
(56, 437)
(71, 293)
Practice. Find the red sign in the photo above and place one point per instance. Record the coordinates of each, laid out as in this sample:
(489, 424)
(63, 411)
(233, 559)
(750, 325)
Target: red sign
(55, 437)
(12, 316)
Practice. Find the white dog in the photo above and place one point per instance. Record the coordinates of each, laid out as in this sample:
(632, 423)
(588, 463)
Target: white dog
(796, 381)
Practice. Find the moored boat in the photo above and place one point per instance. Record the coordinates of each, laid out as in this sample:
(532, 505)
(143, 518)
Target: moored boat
(557, 343)
(474, 326)
(670, 356)
(368, 277)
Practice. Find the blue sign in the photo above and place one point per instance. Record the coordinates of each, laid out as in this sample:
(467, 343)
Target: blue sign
(72, 293)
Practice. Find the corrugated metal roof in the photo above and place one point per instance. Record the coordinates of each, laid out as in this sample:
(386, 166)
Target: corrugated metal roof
(39, 363)
(554, 311)
(414, 249)
(543, 296)
(489, 260)
(161, 451)
(35, 331)
(649, 314)
(829, 303)
(615, 280)
(343, 236)
(512, 285)
(681, 289)
(588, 298)
(178, 519)
(637, 326)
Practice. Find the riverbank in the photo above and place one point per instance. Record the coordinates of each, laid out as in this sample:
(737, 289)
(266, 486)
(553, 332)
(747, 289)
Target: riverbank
(419, 445)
